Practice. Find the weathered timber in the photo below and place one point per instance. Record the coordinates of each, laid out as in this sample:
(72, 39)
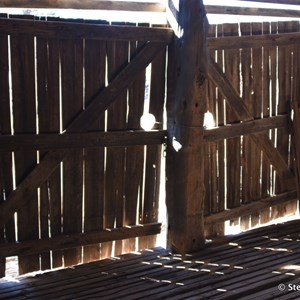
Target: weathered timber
(71, 52)
(254, 41)
(85, 119)
(252, 11)
(217, 76)
(24, 120)
(186, 106)
(64, 30)
(250, 208)
(229, 131)
(53, 141)
(94, 158)
(87, 4)
(289, 2)
(67, 241)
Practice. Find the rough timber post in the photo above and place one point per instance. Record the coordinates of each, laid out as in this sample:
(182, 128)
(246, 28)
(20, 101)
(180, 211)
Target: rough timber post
(186, 106)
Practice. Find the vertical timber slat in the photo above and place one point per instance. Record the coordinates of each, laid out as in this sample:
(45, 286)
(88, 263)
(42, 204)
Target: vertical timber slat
(94, 158)
(72, 104)
(24, 110)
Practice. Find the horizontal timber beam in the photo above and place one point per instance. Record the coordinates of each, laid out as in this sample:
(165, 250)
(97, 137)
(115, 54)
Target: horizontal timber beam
(288, 2)
(70, 30)
(235, 130)
(80, 140)
(86, 4)
(250, 208)
(254, 41)
(80, 239)
(252, 11)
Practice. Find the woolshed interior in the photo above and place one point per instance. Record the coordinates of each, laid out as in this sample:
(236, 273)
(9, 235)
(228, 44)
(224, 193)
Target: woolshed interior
(149, 149)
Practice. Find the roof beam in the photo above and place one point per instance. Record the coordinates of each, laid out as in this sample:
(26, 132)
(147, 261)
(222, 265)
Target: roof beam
(252, 11)
(287, 2)
(87, 4)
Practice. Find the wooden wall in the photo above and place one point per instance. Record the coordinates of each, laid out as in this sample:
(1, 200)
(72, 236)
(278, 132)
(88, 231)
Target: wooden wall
(50, 73)
(264, 79)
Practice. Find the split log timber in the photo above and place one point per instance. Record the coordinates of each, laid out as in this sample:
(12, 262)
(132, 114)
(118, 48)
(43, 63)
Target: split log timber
(233, 130)
(81, 140)
(254, 41)
(250, 208)
(186, 107)
(67, 241)
(262, 140)
(64, 30)
(98, 105)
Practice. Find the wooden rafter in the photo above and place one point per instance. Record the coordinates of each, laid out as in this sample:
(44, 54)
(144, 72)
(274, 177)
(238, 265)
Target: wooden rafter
(287, 2)
(22, 194)
(86, 4)
(236, 102)
(80, 140)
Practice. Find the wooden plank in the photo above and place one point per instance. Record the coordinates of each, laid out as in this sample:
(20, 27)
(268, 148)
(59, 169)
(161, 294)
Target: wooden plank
(233, 159)
(232, 130)
(72, 105)
(24, 117)
(266, 40)
(255, 108)
(266, 113)
(43, 115)
(95, 52)
(135, 156)
(154, 153)
(64, 30)
(6, 175)
(87, 4)
(283, 106)
(217, 76)
(117, 58)
(185, 172)
(73, 240)
(252, 11)
(51, 141)
(249, 208)
(99, 103)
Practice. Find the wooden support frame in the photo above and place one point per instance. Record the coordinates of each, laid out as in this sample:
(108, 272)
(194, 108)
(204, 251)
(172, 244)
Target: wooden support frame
(100, 102)
(185, 108)
(79, 239)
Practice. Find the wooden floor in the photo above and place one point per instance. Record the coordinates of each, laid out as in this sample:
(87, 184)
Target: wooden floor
(261, 264)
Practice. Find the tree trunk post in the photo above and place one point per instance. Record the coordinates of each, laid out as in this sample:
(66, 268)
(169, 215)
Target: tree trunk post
(186, 106)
